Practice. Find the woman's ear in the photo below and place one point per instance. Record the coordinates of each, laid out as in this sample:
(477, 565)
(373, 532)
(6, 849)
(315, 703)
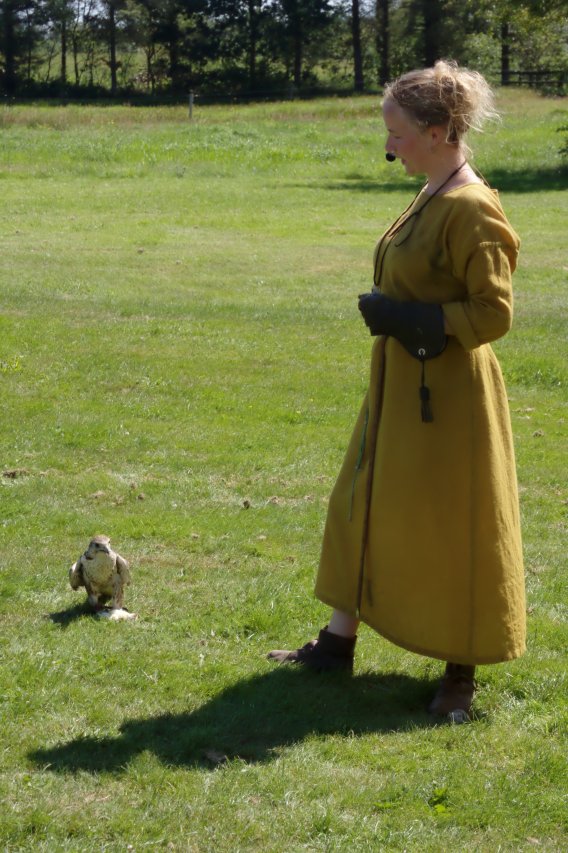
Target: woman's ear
(437, 134)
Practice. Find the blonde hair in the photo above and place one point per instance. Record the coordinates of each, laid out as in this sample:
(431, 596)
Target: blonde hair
(445, 95)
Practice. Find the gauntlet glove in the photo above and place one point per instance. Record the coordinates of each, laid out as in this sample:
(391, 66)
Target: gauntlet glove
(419, 326)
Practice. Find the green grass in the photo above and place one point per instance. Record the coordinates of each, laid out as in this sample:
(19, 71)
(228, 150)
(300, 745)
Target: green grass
(181, 362)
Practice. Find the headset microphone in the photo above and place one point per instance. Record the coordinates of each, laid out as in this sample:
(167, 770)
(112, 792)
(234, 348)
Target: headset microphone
(390, 157)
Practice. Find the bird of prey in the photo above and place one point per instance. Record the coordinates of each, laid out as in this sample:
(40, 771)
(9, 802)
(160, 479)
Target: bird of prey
(104, 574)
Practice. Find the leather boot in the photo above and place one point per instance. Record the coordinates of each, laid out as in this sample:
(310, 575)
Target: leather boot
(455, 692)
(328, 652)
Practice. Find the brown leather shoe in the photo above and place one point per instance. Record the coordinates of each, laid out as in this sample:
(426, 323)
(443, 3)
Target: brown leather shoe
(455, 692)
(328, 652)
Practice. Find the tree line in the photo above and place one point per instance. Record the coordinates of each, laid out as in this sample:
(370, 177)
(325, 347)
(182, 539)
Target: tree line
(169, 47)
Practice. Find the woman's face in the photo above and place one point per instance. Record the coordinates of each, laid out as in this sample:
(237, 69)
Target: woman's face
(405, 139)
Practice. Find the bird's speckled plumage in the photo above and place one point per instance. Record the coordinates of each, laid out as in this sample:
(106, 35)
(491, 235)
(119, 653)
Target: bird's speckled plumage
(102, 572)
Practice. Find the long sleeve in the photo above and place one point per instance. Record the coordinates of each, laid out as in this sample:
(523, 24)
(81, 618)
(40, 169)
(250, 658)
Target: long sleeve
(487, 312)
(484, 250)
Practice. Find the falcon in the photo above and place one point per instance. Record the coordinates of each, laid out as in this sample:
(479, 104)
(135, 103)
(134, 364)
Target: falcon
(104, 574)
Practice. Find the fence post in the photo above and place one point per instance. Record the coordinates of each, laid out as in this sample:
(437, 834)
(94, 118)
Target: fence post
(191, 100)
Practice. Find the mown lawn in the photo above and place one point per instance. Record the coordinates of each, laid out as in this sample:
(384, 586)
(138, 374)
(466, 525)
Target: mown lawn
(181, 361)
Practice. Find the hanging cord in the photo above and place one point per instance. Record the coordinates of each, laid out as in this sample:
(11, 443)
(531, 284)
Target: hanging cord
(391, 232)
(424, 391)
(358, 462)
(399, 223)
(374, 421)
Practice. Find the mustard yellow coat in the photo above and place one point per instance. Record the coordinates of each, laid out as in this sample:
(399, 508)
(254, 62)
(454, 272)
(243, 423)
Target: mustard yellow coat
(422, 539)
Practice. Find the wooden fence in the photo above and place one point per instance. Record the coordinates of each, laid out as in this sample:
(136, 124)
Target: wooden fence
(553, 79)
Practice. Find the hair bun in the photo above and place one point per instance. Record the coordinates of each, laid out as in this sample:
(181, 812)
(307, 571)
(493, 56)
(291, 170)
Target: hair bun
(446, 95)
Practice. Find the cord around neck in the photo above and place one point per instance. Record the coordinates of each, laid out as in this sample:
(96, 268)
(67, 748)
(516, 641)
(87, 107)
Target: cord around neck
(402, 220)
(447, 181)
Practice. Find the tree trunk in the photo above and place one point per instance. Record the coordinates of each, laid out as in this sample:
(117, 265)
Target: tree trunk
(505, 54)
(174, 64)
(150, 78)
(357, 54)
(10, 79)
(51, 53)
(112, 48)
(432, 18)
(173, 46)
(383, 40)
(298, 53)
(253, 40)
(63, 75)
(75, 50)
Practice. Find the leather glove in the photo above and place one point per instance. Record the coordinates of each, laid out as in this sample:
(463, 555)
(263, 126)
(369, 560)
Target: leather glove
(419, 326)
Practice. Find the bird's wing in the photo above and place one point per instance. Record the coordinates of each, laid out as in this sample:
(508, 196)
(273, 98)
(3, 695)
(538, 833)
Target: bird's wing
(76, 578)
(122, 569)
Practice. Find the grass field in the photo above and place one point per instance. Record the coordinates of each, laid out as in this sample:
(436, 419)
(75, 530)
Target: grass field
(181, 361)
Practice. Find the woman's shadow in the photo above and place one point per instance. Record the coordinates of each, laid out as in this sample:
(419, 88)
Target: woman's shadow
(253, 720)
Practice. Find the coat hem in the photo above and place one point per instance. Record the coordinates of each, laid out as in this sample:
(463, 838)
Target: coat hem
(467, 660)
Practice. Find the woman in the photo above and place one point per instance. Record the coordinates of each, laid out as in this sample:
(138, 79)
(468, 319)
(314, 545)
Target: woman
(422, 540)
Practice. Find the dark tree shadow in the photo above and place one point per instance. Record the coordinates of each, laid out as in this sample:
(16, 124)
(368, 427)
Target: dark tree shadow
(65, 617)
(528, 180)
(253, 720)
(502, 179)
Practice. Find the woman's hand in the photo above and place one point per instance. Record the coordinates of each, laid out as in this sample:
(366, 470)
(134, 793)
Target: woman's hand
(419, 326)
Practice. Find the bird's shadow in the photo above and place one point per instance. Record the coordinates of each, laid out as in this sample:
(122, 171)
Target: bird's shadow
(64, 618)
(253, 720)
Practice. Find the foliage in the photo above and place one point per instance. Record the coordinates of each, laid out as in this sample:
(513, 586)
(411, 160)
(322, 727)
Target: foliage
(181, 362)
(173, 46)
(541, 42)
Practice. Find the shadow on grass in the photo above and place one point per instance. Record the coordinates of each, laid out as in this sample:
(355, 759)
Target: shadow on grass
(71, 614)
(528, 180)
(504, 180)
(253, 719)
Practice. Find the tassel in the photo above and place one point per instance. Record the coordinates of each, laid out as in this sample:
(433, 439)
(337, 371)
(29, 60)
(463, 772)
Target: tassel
(425, 409)
(424, 391)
